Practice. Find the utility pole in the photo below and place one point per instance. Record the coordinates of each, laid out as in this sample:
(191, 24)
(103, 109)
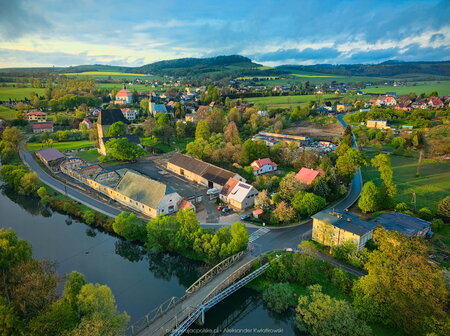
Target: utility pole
(413, 200)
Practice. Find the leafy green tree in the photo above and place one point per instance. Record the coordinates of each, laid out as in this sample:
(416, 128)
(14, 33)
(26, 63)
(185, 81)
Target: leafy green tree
(402, 287)
(322, 315)
(116, 129)
(231, 133)
(383, 163)
(279, 297)
(57, 320)
(188, 227)
(253, 150)
(202, 131)
(347, 164)
(122, 149)
(368, 201)
(161, 233)
(310, 204)
(129, 226)
(289, 187)
(180, 129)
(88, 216)
(97, 301)
(11, 138)
(10, 323)
(197, 148)
(75, 281)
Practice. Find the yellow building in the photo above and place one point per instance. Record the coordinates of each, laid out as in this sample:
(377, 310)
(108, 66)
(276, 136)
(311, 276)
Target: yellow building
(332, 229)
(381, 124)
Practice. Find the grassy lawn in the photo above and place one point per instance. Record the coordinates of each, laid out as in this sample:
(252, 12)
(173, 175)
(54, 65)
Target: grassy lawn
(176, 144)
(442, 87)
(13, 93)
(7, 113)
(62, 146)
(88, 155)
(432, 185)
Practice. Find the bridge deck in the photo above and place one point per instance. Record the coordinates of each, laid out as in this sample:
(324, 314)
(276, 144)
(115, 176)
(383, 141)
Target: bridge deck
(168, 321)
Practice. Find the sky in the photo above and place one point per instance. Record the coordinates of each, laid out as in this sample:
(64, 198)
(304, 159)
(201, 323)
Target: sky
(137, 32)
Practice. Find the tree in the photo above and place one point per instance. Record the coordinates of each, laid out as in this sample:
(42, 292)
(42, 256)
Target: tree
(284, 212)
(279, 297)
(188, 226)
(425, 214)
(96, 302)
(161, 233)
(402, 287)
(202, 131)
(289, 187)
(11, 138)
(351, 160)
(180, 129)
(262, 201)
(444, 207)
(253, 150)
(322, 315)
(383, 163)
(74, 282)
(310, 204)
(149, 126)
(116, 129)
(231, 133)
(368, 201)
(121, 149)
(129, 226)
(10, 324)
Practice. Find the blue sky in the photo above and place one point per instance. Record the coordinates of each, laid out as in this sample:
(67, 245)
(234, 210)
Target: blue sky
(128, 32)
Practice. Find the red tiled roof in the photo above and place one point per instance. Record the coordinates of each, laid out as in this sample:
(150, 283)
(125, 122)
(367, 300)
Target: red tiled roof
(262, 162)
(435, 101)
(307, 176)
(42, 125)
(231, 183)
(257, 212)
(185, 204)
(124, 93)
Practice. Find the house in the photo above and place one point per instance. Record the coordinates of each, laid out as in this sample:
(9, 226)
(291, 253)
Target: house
(185, 204)
(343, 108)
(307, 176)
(41, 127)
(386, 101)
(129, 114)
(381, 124)
(238, 195)
(153, 109)
(146, 195)
(51, 157)
(192, 117)
(408, 225)
(132, 138)
(201, 172)
(36, 116)
(435, 102)
(124, 96)
(333, 229)
(87, 123)
(262, 166)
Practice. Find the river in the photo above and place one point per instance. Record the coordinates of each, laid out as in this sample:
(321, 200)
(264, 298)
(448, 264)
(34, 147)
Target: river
(139, 281)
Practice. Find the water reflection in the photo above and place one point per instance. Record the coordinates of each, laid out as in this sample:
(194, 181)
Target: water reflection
(129, 250)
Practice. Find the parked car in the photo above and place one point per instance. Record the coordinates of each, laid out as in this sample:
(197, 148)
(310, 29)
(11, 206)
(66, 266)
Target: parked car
(245, 217)
(221, 207)
(226, 210)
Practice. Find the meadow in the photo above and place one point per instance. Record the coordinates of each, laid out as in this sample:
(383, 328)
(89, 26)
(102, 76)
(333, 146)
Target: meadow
(442, 88)
(431, 186)
(288, 101)
(14, 93)
(113, 75)
(62, 146)
(7, 113)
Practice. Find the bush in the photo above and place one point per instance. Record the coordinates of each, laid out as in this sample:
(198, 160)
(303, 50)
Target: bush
(437, 224)
(279, 297)
(444, 207)
(401, 207)
(425, 214)
(348, 253)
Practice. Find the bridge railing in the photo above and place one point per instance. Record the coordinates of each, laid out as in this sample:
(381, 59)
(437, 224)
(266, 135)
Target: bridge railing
(219, 268)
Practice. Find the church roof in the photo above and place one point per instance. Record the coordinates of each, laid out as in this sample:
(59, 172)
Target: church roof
(124, 93)
(110, 116)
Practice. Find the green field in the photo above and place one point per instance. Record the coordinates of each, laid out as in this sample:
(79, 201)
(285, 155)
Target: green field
(442, 88)
(431, 186)
(7, 113)
(62, 146)
(287, 101)
(88, 155)
(14, 93)
(113, 75)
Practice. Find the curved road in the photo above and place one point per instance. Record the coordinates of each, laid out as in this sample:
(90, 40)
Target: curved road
(276, 238)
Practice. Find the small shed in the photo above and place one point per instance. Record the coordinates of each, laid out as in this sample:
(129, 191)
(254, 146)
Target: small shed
(256, 213)
(51, 157)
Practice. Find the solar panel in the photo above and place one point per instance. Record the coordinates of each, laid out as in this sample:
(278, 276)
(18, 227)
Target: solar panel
(244, 186)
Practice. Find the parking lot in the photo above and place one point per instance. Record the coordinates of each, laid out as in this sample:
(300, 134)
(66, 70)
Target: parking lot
(206, 210)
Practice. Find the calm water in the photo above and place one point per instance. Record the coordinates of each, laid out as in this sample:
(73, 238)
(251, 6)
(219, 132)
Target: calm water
(139, 281)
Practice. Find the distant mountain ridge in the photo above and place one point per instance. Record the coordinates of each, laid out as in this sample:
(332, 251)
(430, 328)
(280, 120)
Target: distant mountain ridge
(235, 65)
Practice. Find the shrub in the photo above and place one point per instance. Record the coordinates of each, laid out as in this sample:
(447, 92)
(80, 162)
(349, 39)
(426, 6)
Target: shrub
(425, 214)
(401, 207)
(437, 224)
(279, 297)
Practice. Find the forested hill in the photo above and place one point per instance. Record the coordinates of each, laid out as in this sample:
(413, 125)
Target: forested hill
(385, 69)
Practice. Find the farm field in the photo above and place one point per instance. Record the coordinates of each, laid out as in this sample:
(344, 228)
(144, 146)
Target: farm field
(287, 101)
(442, 88)
(316, 130)
(7, 113)
(113, 75)
(432, 185)
(62, 146)
(14, 93)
